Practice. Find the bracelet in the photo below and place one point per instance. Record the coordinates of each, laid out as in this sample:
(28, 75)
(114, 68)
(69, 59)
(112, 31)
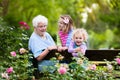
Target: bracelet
(48, 49)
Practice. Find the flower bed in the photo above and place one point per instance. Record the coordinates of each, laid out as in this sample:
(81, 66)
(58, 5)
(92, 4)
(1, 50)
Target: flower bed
(15, 67)
(82, 69)
(79, 69)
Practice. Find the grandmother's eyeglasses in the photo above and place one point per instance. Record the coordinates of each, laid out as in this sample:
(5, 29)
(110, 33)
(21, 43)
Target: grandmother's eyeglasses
(42, 26)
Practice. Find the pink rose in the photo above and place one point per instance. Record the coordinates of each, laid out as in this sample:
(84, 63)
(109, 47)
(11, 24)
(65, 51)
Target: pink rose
(118, 60)
(109, 67)
(13, 53)
(93, 67)
(9, 70)
(22, 50)
(5, 75)
(24, 25)
(62, 70)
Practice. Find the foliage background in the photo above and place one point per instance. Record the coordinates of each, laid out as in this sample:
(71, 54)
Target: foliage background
(101, 17)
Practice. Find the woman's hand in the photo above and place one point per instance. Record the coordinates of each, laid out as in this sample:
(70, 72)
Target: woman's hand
(52, 48)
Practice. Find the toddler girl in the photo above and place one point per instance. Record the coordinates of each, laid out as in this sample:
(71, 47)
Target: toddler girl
(78, 43)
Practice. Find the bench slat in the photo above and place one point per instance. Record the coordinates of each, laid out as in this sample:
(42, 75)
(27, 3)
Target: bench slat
(100, 55)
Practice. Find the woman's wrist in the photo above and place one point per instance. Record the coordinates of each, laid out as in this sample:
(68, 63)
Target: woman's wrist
(48, 49)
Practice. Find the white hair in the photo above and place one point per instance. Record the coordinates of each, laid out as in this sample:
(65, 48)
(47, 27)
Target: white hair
(36, 20)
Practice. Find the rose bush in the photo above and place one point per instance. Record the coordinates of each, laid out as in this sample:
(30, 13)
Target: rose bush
(17, 67)
(13, 57)
(81, 69)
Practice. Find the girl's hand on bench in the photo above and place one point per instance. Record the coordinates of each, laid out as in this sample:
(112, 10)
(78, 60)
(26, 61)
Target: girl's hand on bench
(60, 48)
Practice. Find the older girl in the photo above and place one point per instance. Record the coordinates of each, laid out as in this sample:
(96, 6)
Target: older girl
(66, 26)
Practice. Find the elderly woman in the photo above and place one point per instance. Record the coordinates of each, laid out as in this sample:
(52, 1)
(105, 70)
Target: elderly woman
(41, 43)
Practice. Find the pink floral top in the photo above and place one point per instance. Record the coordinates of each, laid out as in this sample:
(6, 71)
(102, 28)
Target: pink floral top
(65, 38)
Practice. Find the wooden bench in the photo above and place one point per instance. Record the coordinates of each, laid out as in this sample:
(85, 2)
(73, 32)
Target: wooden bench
(92, 55)
(100, 55)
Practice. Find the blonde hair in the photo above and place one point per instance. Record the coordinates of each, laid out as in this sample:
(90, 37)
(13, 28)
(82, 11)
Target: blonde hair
(80, 31)
(69, 25)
